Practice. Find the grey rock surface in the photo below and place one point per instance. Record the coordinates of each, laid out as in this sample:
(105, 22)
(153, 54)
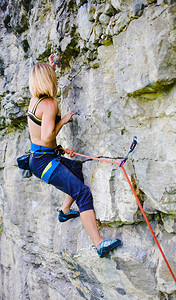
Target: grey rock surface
(117, 75)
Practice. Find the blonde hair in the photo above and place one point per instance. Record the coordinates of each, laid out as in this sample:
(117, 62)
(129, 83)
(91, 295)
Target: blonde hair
(42, 81)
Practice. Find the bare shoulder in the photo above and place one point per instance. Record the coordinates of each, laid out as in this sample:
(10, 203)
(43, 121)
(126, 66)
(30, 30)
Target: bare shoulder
(50, 103)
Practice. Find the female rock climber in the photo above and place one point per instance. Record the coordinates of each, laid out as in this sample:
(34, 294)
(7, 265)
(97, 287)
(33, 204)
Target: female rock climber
(45, 123)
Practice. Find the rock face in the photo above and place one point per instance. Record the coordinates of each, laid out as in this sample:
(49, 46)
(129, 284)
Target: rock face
(118, 76)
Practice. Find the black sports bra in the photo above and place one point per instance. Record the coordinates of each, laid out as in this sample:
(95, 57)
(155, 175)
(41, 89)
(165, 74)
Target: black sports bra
(32, 116)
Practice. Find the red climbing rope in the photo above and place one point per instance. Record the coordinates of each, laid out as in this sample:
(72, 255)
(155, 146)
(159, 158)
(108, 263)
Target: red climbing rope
(72, 153)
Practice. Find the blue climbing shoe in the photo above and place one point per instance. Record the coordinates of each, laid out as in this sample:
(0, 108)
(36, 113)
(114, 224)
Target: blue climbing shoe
(107, 245)
(71, 214)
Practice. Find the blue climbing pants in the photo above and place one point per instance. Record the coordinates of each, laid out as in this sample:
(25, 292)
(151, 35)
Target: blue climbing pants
(67, 177)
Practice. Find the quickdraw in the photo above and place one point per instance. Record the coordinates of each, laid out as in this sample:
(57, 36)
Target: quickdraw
(133, 145)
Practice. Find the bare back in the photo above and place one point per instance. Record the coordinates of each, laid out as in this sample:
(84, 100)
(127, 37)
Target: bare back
(46, 111)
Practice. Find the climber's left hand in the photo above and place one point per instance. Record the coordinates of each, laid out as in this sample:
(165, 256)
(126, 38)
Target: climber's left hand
(51, 61)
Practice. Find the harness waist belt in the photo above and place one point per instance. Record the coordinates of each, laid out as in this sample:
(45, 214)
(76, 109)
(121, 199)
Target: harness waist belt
(49, 169)
(38, 148)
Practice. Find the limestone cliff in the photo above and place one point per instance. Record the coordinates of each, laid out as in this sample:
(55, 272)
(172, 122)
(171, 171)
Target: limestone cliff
(117, 74)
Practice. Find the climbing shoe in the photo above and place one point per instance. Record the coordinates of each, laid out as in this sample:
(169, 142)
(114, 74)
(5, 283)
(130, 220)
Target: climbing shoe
(107, 245)
(69, 215)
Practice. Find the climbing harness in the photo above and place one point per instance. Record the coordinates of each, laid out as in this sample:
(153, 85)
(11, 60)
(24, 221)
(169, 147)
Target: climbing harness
(23, 161)
(49, 169)
(72, 153)
(52, 165)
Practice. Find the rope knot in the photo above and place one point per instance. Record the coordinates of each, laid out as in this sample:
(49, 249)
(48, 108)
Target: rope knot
(72, 152)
